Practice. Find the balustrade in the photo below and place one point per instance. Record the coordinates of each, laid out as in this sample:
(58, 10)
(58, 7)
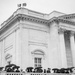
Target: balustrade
(23, 73)
(49, 74)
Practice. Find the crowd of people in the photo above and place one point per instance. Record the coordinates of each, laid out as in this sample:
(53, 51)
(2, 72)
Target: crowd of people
(49, 70)
(15, 68)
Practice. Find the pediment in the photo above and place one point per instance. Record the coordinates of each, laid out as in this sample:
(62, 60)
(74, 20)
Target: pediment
(39, 52)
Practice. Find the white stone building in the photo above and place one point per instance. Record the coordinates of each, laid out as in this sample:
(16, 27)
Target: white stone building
(30, 38)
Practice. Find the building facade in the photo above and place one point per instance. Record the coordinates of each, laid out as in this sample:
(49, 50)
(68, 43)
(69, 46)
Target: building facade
(30, 38)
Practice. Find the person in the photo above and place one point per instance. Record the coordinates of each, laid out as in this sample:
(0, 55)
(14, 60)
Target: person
(73, 70)
(56, 70)
(48, 71)
(29, 69)
(44, 70)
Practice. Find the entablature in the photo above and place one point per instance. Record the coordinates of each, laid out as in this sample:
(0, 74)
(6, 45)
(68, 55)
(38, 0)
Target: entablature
(66, 27)
(32, 18)
(21, 16)
(67, 16)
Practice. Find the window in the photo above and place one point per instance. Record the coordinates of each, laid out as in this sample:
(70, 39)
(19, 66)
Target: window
(38, 56)
(37, 62)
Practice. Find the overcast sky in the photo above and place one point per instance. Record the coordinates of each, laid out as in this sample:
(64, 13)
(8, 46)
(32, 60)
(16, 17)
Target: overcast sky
(7, 7)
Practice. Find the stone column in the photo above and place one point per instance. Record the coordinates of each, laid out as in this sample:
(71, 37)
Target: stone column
(72, 47)
(62, 48)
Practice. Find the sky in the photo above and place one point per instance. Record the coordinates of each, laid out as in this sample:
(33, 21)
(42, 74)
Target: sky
(7, 7)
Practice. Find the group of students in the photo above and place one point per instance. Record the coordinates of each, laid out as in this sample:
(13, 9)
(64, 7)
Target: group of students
(15, 68)
(49, 70)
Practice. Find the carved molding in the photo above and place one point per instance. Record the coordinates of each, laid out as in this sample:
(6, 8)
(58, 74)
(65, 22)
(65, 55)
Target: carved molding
(8, 48)
(68, 16)
(60, 30)
(44, 21)
(38, 44)
(38, 52)
(72, 33)
(22, 17)
(66, 21)
(31, 18)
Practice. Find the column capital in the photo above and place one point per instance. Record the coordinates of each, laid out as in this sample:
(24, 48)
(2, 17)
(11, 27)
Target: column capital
(72, 33)
(60, 30)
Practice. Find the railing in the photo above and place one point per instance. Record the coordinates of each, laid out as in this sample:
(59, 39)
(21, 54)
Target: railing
(15, 73)
(49, 74)
(21, 73)
(11, 73)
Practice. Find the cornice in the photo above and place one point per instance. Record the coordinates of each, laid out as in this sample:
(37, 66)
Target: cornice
(32, 18)
(44, 21)
(58, 20)
(67, 17)
(37, 43)
(18, 18)
(66, 21)
(23, 17)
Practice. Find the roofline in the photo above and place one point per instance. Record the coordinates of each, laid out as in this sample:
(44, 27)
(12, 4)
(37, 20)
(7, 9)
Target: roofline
(67, 16)
(36, 19)
(57, 12)
(44, 21)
